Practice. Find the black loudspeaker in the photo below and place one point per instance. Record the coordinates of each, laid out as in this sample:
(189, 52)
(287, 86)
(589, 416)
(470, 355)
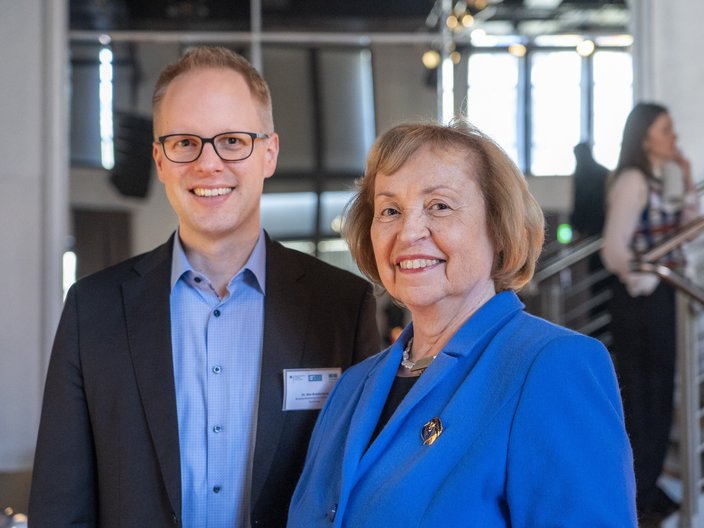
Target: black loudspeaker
(98, 14)
(132, 139)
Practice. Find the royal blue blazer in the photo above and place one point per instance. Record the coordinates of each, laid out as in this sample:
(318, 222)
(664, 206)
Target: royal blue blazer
(533, 435)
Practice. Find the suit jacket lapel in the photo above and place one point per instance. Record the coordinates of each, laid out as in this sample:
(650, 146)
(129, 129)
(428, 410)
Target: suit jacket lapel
(147, 312)
(286, 312)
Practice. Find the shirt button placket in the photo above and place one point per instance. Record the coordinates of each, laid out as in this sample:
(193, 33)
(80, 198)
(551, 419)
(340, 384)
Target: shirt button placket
(218, 428)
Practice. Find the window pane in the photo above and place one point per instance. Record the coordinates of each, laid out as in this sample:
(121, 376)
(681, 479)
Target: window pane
(348, 108)
(613, 99)
(556, 116)
(290, 214)
(492, 97)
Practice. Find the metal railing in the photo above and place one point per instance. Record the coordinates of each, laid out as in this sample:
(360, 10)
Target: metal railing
(690, 354)
(570, 288)
(557, 293)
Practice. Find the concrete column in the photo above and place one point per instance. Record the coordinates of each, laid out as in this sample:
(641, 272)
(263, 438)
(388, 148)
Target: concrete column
(667, 64)
(33, 216)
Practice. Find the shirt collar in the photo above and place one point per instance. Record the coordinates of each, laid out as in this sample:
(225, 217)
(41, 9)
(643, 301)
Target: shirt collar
(256, 263)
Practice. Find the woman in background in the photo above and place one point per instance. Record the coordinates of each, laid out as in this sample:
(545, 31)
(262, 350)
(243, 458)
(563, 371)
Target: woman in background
(479, 414)
(642, 308)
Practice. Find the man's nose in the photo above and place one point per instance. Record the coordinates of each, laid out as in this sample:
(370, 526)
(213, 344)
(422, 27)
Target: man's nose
(209, 158)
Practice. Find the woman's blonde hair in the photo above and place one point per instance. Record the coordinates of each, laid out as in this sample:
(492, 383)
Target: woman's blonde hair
(515, 221)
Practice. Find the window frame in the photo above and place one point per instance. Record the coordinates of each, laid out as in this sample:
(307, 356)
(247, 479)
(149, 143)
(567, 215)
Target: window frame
(524, 117)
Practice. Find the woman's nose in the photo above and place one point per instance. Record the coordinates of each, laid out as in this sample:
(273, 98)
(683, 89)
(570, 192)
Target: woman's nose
(414, 226)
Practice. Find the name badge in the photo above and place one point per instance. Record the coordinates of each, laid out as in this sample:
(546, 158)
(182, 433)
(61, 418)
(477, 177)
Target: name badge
(307, 389)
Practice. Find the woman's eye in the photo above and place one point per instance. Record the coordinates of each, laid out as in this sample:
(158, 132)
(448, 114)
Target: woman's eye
(439, 206)
(388, 211)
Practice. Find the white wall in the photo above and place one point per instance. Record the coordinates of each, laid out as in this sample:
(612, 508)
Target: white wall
(401, 92)
(554, 193)
(668, 67)
(33, 140)
(153, 220)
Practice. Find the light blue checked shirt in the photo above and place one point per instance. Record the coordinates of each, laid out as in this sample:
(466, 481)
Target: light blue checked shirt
(217, 345)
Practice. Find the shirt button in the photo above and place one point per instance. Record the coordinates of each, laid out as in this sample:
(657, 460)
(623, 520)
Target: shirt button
(216, 489)
(331, 513)
(197, 279)
(216, 313)
(217, 369)
(217, 428)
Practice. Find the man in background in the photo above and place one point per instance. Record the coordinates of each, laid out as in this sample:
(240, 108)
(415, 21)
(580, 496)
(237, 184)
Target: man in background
(587, 217)
(587, 220)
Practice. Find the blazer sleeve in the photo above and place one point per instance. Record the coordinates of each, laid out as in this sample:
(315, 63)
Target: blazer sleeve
(569, 460)
(63, 480)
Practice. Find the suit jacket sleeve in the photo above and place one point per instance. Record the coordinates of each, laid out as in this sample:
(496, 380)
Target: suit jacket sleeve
(367, 341)
(569, 456)
(63, 480)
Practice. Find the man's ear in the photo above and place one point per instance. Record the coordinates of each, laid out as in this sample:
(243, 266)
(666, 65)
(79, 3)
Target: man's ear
(271, 155)
(158, 155)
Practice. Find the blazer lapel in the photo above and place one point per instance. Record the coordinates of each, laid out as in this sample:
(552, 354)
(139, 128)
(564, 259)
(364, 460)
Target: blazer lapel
(462, 381)
(286, 313)
(364, 419)
(147, 312)
(358, 455)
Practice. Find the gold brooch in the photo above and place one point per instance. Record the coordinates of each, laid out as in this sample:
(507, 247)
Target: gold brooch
(431, 431)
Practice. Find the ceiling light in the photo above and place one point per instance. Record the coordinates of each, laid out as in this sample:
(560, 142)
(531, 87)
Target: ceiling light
(467, 20)
(431, 59)
(517, 50)
(585, 48)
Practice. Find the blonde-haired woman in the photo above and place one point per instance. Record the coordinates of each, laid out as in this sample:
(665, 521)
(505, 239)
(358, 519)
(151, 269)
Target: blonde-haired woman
(480, 414)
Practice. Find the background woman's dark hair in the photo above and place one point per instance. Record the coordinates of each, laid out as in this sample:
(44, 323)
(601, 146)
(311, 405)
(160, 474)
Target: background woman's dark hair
(633, 154)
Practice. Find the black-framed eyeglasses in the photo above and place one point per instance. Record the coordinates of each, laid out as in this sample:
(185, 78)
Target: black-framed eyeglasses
(230, 146)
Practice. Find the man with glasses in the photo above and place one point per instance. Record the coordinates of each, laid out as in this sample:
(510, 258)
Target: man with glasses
(184, 383)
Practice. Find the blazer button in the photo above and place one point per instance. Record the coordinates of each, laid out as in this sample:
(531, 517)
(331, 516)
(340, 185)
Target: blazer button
(174, 518)
(331, 513)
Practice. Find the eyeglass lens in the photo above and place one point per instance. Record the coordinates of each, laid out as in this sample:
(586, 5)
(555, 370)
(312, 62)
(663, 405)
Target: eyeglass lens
(230, 146)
